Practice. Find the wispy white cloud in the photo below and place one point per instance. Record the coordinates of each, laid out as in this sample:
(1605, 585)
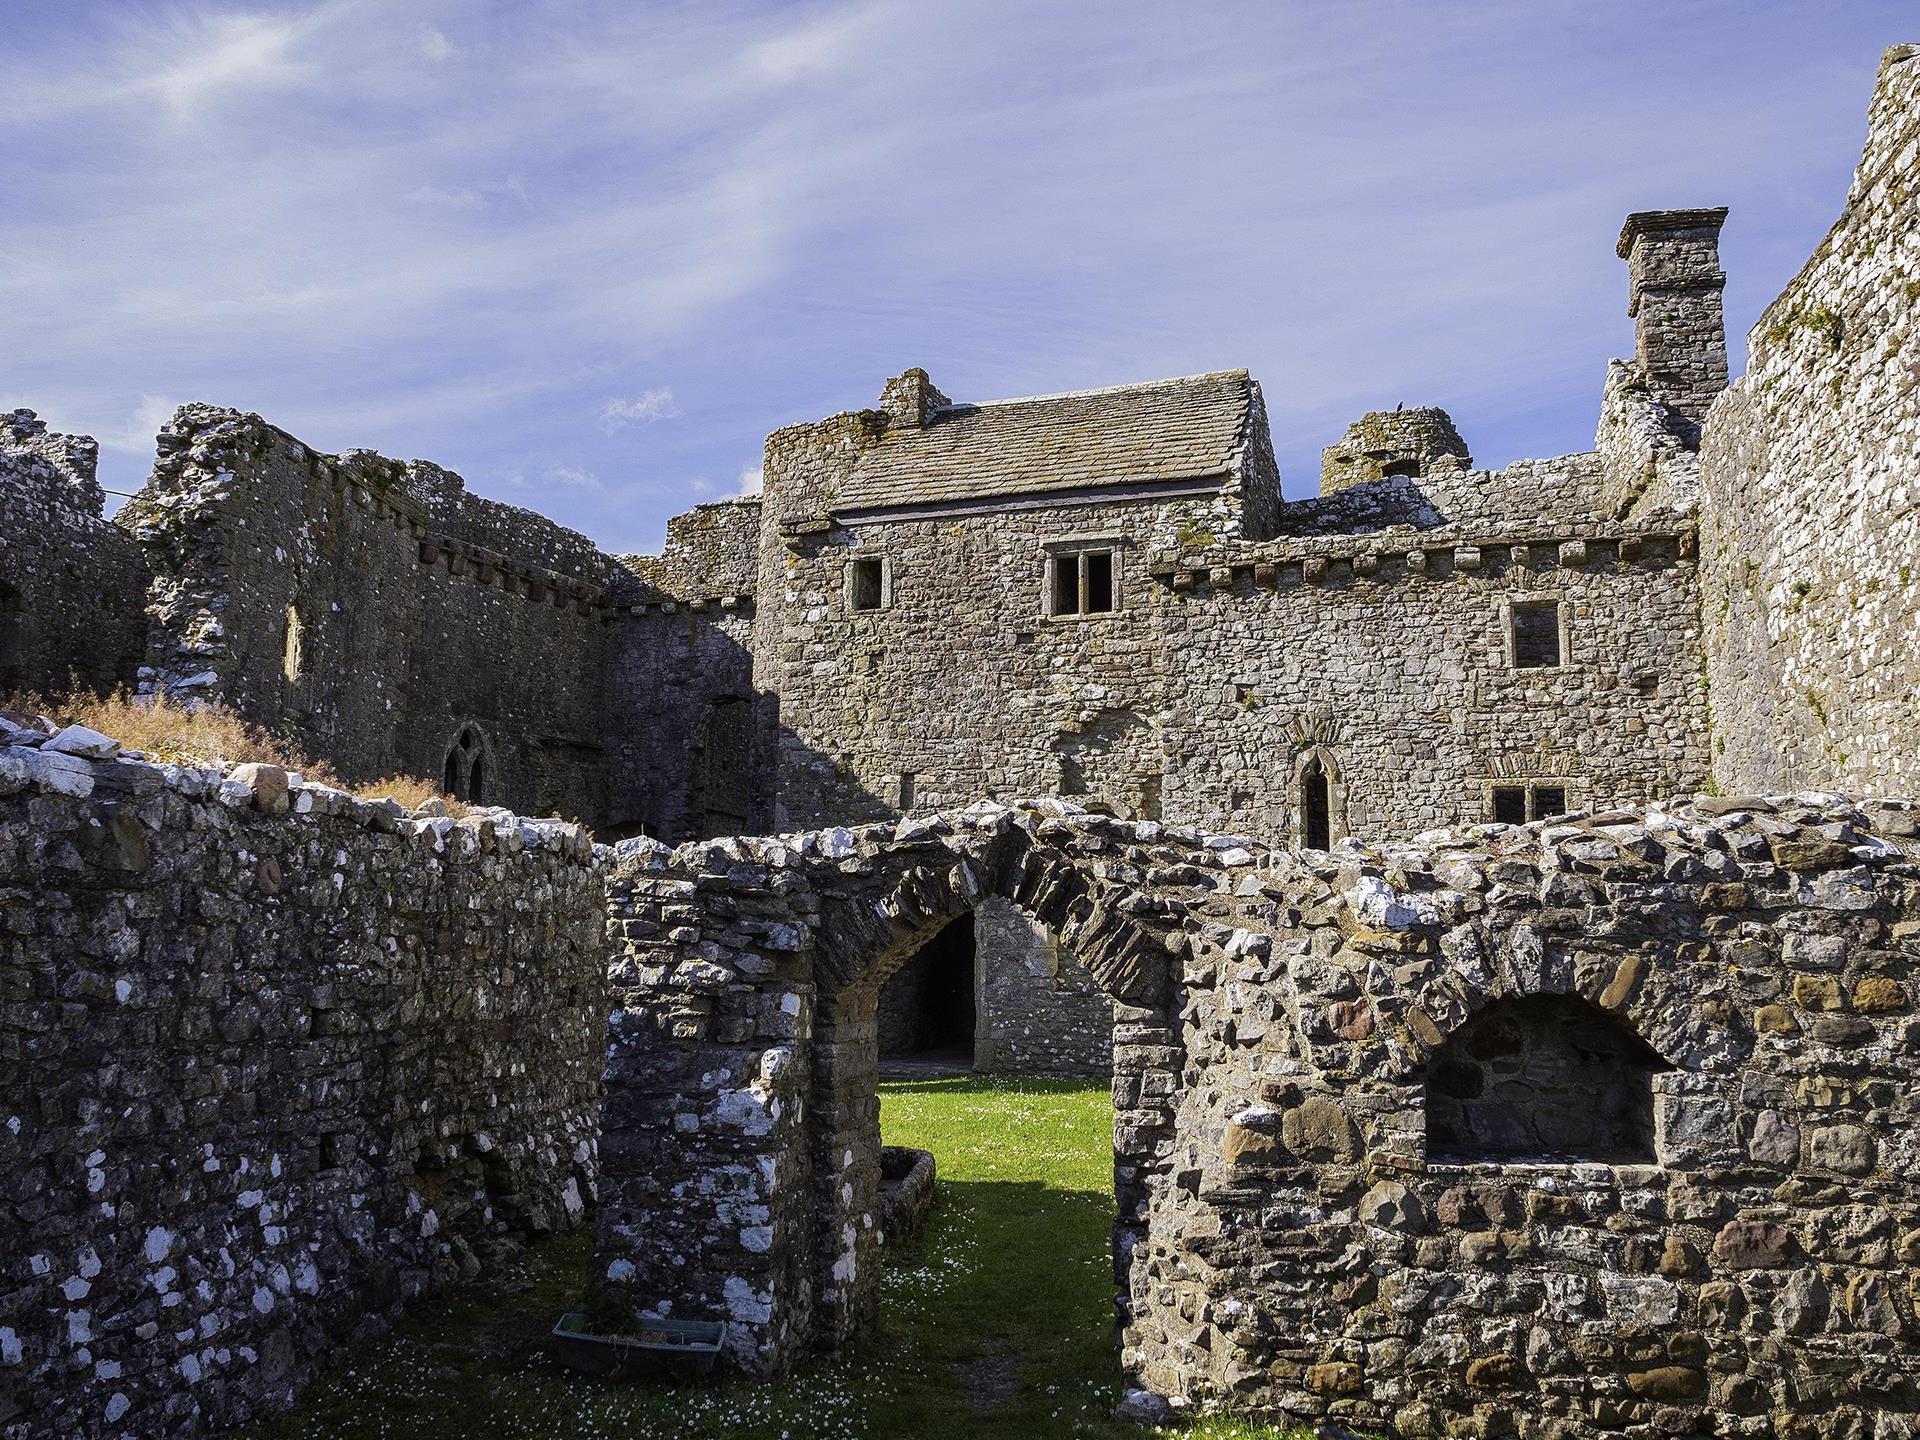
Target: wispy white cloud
(752, 480)
(573, 477)
(648, 406)
(453, 229)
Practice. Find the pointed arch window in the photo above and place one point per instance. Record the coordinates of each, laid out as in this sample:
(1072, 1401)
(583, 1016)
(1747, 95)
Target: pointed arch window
(1319, 800)
(466, 776)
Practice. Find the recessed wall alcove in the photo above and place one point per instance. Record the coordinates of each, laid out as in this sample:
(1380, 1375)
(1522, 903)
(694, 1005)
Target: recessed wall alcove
(1542, 1078)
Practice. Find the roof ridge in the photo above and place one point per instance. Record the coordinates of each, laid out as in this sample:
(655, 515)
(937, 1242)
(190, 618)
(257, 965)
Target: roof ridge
(1096, 390)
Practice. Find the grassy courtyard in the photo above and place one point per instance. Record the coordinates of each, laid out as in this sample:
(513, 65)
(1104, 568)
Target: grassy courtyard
(1000, 1325)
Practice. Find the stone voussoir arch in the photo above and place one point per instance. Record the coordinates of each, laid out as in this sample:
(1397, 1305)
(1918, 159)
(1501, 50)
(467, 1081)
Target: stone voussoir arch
(742, 1104)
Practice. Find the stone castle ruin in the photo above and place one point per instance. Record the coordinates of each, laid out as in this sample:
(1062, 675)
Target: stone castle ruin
(1481, 885)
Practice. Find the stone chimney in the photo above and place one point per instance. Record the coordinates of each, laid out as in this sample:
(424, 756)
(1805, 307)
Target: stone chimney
(909, 399)
(1386, 443)
(1674, 282)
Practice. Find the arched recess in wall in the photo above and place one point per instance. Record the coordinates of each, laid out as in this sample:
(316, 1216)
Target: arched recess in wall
(1115, 763)
(468, 772)
(13, 659)
(720, 774)
(1319, 799)
(1541, 1078)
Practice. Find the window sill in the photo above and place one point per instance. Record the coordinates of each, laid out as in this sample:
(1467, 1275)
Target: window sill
(1071, 617)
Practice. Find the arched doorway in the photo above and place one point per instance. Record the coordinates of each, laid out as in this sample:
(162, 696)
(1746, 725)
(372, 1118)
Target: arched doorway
(13, 666)
(927, 1012)
(720, 770)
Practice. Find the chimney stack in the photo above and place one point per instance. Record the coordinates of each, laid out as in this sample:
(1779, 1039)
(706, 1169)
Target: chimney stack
(1674, 282)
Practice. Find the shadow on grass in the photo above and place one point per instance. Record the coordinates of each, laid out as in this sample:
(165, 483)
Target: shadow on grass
(998, 1321)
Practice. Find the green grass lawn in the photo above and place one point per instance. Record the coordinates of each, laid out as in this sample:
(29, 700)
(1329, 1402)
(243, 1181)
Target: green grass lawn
(999, 1324)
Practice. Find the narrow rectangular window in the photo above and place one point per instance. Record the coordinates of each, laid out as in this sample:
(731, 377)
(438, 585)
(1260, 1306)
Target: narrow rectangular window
(1066, 584)
(1536, 634)
(1548, 801)
(1510, 804)
(1096, 581)
(869, 584)
(906, 790)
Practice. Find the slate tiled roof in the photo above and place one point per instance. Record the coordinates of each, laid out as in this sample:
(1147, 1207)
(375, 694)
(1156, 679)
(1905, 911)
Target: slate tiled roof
(1164, 430)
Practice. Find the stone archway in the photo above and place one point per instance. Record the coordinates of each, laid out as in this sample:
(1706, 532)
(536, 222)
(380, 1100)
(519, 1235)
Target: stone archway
(741, 1146)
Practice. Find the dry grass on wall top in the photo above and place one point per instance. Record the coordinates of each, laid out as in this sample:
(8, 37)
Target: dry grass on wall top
(202, 733)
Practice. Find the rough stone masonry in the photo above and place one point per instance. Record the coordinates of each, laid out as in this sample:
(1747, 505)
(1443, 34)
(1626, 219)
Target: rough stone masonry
(1584, 1111)
(276, 1061)
(1595, 1126)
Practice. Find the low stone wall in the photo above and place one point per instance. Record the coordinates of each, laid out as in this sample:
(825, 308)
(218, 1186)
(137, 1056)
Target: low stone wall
(1389, 1211)
(1603, 1125)
(272, 1062)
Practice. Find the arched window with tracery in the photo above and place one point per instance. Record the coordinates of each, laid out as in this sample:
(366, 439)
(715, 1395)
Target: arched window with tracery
(466, 776)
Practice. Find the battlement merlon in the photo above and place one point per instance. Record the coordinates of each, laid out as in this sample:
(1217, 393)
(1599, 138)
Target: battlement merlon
(1674, 284)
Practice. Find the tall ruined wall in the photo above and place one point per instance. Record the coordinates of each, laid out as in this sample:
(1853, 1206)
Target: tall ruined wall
(1810, 524)
(271, 1064)
(72, 584)
(1387, 661)
(1361, 1171)
(689, 741)
(374, 610)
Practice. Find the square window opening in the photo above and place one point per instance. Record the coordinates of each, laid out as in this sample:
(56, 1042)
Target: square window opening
(1082, 583)
(1548, 801)
(869, 584)
(1510, 804)
(1536, 634)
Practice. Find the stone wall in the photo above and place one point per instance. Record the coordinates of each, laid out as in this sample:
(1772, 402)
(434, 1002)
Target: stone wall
(1389, 662)
(1562, 1130)
(1040, 1011)
(1811, 518)
(1750, 1272)
(71, 583)
(275, 1060)
(375, 611)
(689, 738)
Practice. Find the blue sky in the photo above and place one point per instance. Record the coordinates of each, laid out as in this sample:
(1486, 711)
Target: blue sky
(588, 253)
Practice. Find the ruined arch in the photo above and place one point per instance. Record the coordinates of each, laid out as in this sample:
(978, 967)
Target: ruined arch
(749, 1053)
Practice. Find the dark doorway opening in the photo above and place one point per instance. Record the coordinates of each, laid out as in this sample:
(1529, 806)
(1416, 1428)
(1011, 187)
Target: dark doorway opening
(13, 667)
(1542, 1077)
(926, 1010)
